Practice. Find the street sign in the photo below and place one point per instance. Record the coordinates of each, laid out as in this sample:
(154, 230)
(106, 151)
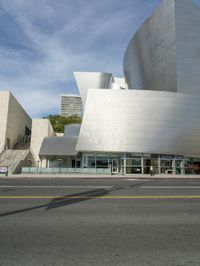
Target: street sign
(3, 169)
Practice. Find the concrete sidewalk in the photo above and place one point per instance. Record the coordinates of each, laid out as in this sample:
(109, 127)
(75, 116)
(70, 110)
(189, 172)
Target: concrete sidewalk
(101, 176)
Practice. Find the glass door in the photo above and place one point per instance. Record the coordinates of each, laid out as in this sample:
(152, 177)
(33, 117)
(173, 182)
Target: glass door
(115, 166)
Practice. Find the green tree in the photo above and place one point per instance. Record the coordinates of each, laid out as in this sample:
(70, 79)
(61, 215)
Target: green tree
(59, 122)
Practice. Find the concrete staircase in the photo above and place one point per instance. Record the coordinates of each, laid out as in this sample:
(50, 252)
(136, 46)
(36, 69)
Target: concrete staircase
(14, 159)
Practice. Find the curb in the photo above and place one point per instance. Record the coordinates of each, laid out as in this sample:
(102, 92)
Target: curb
(94, 176)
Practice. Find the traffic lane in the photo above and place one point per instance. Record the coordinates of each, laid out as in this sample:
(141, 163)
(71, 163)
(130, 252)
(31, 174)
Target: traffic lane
(68, 181)
(19, 202)
(72, 244)
(97, 181)
(134, 211)
(106, 232)
(92, 191)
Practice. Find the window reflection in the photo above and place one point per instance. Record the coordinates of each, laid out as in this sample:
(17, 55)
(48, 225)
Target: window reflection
(102, 162)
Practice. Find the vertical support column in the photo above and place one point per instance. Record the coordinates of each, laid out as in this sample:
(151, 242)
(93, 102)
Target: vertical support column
(110, 163)
(52, 165)
(95, 160)
(183, 167)
(174, 166)
(159, 166)
(124, 163)
(82, 161)
(142, 164)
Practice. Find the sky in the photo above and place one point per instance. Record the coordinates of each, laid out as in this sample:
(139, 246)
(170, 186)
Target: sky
(42, 42)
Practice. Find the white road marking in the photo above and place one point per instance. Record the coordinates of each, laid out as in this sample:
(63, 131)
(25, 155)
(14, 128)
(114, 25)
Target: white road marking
(57, 187)
(104, 187)
(170, 187)
(131, 179)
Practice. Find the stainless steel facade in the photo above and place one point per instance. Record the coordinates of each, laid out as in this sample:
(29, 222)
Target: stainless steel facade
(141, 121)
(188, 47)
(164, 54)
(150, 59)
(160, 111)
(92, 80)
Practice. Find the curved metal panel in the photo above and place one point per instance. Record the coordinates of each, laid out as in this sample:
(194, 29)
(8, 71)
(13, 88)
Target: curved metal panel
(150, 59)
(92, 80)
(164, 54)
(141, 121)
(188, 46)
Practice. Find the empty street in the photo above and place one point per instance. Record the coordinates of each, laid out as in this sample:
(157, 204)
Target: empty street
(99, 222)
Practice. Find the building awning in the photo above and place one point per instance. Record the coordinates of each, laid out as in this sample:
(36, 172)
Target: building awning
(58, 146)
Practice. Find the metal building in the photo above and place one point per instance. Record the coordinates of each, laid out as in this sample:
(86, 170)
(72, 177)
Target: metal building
(156, 120)
(151, 116)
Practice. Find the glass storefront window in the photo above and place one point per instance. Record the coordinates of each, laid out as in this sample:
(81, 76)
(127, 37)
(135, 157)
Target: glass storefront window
(84, 161)
(91, 162)
(133, 162)
(151, 162)
(102, 162)
(134, 170)
(178, 163)
(178, 167)
(189, 169)
(166, 166)
(133, 155)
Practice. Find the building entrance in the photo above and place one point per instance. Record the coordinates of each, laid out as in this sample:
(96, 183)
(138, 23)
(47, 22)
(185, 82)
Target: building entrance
(166, 166)
(148, 163)
(115, 166)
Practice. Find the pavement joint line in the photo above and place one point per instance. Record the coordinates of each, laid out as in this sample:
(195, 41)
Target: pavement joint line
(103, 197)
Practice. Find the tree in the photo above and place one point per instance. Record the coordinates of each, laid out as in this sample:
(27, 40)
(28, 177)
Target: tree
(59, 122)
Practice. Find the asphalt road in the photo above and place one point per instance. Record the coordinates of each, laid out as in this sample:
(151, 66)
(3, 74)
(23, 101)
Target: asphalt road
(99, 222)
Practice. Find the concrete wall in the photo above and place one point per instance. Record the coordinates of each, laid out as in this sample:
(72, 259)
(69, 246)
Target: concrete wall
(4, 102)
(18, 120)
(41, 128)
(13, 119)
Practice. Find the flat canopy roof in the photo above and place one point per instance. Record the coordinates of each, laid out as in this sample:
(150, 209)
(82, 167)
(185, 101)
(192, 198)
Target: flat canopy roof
(58, 146)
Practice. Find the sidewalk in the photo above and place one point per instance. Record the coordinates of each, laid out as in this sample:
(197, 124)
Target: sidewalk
(102, 176)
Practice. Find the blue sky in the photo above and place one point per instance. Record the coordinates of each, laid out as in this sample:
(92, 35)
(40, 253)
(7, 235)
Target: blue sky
(43, 41)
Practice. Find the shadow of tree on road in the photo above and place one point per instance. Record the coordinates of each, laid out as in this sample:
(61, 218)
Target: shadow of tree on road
(75, 198)
(63, 201)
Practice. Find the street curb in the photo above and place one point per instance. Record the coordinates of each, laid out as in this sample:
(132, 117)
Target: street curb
(95, 176)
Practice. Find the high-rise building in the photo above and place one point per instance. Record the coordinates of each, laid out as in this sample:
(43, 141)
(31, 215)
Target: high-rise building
(71, 104)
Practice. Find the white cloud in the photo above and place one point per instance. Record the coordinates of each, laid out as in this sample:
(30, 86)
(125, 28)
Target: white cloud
(61, 37)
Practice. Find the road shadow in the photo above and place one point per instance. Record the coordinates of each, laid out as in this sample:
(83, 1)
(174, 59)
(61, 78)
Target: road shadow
(69, 199)
(76, 198)
(63, 201)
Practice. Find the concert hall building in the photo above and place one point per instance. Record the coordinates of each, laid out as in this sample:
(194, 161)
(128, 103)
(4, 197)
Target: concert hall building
(151, 116)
